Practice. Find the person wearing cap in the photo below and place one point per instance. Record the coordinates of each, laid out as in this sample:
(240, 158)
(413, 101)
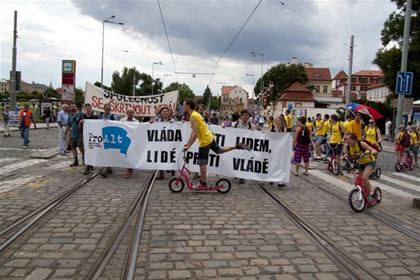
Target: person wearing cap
(372, 133)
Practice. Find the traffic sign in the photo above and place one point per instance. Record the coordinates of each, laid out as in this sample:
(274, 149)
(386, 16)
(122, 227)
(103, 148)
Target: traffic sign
(407, 105)
(404, 83)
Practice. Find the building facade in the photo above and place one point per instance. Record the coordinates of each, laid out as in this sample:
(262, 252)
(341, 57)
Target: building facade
(24, 87)
(234, 99)
(360, 82)
(377, 93)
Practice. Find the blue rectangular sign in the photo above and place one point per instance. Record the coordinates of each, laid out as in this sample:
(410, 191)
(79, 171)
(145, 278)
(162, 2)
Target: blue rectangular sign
(404, 83)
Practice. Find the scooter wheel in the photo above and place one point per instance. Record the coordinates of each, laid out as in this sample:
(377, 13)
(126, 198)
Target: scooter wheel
(398, 167)
(357, 200)
(378, 173)
(225, 184)
(176, 185)
(378, 194)
(335, 167)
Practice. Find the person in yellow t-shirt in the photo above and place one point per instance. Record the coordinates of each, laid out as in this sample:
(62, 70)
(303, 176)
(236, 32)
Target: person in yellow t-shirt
(319, 135)
(310, 124)
(364, 156)
(336, 138)
(206, 141)
(289, 120)
(349, 118)
(415, 142)
(356, 126)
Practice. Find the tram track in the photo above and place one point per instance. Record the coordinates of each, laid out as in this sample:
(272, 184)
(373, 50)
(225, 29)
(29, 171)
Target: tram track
(376, 214)
(135, 215)
(23, 224)
(348, 264)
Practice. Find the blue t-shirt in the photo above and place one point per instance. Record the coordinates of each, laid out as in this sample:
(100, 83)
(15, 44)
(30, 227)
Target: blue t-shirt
(73, 123)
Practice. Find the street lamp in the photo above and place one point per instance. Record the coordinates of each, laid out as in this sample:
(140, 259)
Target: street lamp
(103, 39)
(254, 54)
(153, 72)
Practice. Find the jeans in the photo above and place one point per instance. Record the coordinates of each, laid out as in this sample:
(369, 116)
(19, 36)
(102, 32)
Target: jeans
(24, 133)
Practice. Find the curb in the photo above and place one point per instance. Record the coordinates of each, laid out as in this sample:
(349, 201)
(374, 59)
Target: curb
(45, 154)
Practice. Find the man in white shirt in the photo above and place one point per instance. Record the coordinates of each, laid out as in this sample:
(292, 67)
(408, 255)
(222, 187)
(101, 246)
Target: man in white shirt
(388, 126)
(62, 120)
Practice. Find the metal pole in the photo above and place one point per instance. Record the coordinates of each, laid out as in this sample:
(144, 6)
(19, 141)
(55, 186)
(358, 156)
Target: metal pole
(153, 75)
(13, 78)
(404, 58)
(102, 62)
(134, 84)
(348, 94)
(262, 82)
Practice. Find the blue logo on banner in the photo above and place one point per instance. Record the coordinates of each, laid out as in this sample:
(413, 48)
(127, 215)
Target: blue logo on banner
(115, 137)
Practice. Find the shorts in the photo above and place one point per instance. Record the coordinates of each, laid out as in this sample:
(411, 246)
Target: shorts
(203, 152)
(289, 130)
(363, 166)
(76, 142)
(336, 148)
(320, 139)
(414, 149)
(301, 151)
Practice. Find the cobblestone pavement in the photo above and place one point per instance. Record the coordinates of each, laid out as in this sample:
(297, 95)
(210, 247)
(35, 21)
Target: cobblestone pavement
(238, 235)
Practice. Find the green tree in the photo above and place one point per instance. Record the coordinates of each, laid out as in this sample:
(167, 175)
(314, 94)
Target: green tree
(98, 84)
(206, 96)
(79, 96)
(389, 59)
(281, 76)
(123, 83)
(215, 103)
(185, 91)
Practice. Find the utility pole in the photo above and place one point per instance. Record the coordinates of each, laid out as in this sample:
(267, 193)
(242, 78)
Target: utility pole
(13, 78)
(348, 94)
(407, 22)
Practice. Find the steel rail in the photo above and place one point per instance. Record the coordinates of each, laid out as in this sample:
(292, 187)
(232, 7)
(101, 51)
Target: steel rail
(348, 264)
(36, 215)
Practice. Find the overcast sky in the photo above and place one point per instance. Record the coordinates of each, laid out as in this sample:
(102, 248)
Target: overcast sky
(199, 31)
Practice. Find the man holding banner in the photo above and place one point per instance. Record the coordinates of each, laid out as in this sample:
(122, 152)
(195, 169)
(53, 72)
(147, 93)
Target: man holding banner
(206, 142)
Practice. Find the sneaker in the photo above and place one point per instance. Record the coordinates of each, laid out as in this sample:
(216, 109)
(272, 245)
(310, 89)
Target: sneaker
(24, 146)
(241, 146)
(281, 184)
(200, 186)
(196, 176)
(128, 173)
(75, 163)
(87, 170)
(104, 173)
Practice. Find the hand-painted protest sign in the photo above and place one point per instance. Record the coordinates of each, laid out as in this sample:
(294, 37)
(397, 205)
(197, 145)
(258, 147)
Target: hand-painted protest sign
(159, 146)
(143, 106)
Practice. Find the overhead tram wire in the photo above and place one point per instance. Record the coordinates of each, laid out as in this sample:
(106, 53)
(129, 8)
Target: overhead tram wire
(233, 39)
(167, 39)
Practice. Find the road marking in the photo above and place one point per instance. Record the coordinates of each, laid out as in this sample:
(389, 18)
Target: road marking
(348, 186)
(412, 178)
(401, 183)
(20, 166)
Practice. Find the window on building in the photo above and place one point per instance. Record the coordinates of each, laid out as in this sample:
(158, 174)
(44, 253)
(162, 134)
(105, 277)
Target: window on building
(353, 79)
(325, 89)
(317, 89)
(363, 80)
(298, 105)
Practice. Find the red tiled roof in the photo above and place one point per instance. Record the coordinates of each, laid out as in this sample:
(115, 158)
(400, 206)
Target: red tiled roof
(318, 74)
(226, 89)
(297, 92)
(340, 75)
(369, 73)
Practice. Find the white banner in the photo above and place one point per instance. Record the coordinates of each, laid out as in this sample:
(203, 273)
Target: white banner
(143, 106)
(159, 146)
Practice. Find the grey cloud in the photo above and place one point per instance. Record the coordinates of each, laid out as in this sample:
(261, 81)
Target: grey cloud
(204, 28)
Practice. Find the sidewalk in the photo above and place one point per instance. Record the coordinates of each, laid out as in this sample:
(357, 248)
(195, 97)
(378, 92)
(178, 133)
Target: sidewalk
(38, 126)
(389, 147)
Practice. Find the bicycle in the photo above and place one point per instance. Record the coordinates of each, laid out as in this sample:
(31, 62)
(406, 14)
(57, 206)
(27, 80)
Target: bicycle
(349, 166)
(359, 196)
(333, 165)
(177, 184)
(406, 162)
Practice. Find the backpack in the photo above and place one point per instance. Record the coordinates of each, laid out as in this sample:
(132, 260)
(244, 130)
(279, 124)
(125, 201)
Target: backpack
(405, 140)
(304, 137)
(372, 145)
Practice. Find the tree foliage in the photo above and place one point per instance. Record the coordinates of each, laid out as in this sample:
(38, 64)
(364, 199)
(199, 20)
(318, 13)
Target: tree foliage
(389, 59)
(185, 91)
(281, 76)
(123, 83)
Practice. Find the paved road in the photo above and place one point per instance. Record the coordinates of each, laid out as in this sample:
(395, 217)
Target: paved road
(239, 235)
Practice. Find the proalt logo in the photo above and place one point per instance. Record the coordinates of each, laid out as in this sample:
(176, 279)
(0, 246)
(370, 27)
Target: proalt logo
(113, 137)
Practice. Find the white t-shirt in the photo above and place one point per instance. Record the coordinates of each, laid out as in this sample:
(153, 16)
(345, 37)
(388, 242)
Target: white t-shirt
(127, 120)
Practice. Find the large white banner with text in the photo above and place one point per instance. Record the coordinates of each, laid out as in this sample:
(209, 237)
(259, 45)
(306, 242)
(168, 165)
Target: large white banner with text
(143, 106)
(160, 145)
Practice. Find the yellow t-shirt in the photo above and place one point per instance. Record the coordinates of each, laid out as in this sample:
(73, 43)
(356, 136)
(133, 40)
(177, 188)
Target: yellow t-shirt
(204, 135)
(399, 137)
(289, 120)
(355, 152)
(371, 135)
(310, 125)
(320, 126)
(414, 138)
(326, 127)
(335, 134)
(356, 128)
(346, 126)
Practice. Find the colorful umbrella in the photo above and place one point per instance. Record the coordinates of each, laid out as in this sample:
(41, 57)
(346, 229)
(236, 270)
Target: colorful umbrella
(356, 107)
